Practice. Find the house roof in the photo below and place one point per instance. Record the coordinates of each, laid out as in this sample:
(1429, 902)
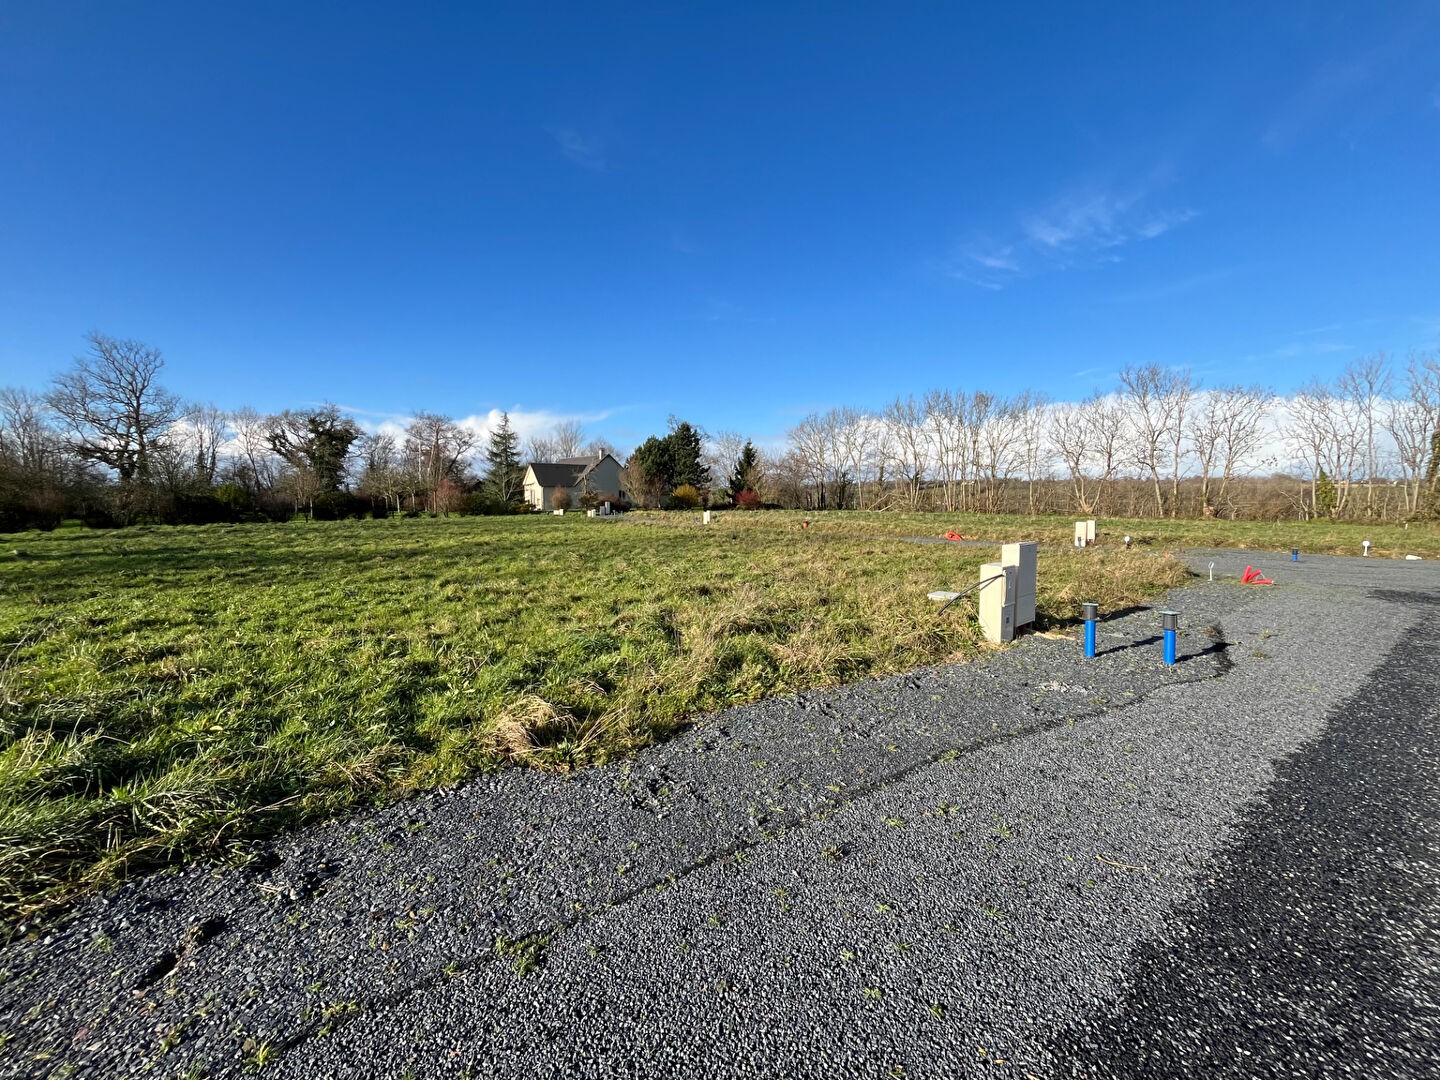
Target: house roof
(556, 473)
(567, 472)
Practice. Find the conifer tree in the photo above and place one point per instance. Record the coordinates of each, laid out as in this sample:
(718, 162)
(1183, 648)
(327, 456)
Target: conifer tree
(743, 477)
(686, 451)
(505, 477)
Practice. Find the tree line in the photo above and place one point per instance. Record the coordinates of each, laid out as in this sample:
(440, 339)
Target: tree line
(106, 442)
(1366, 445)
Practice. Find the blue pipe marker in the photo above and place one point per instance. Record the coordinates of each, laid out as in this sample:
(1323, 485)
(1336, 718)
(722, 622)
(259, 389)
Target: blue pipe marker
(1294, 554)
(1170, 623)
(1092, 612)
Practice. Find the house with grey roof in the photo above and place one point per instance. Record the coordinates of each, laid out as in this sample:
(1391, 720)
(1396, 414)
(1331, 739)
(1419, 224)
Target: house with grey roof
(576, 478)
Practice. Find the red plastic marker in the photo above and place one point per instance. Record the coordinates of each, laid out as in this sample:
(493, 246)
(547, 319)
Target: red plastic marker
(953, 536)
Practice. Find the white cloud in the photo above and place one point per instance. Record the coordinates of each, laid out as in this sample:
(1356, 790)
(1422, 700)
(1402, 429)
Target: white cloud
(524, 422)
(1081, 226)
(986, 265)
(1002, 259)
(586, 151)
(1091, 221)
(1164, 222)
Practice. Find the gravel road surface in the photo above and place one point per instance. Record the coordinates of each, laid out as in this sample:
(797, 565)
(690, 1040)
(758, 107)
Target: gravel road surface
(1034, 866)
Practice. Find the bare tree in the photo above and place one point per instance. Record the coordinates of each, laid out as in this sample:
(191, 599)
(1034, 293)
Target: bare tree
(541, 448)
(945, 428)
(383, 474)
(812, 443)
(29, 444)
(1365, 383)
(1412, 422)
(1034, 412)
(1328, 429)
(905, 420)
(437, 446)
(34, 469)
(258, 463)
(643, 488)
(721, 450)
(1226, 427)
(115, 413)
(568, 438)
(1087, 437)
(205, 430)
(1000, 446)
(1156, 400)
(856, 439)
(599, 446)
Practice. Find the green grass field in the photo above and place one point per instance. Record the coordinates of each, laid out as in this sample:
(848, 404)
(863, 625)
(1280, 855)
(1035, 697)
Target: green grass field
(170, 692)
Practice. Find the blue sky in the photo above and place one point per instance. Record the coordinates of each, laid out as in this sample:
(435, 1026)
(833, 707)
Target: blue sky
(736, 213)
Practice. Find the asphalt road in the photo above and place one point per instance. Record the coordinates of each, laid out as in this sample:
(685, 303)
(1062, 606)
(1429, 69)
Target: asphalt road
(1033, 866)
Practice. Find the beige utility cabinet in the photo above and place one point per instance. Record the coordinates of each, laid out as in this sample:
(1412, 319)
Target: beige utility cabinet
(1007, 603)
(997, 607)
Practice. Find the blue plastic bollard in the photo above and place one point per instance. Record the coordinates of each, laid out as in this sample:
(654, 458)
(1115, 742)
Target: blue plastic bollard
(1170, 623)
(1092, 612)
(1294, 554)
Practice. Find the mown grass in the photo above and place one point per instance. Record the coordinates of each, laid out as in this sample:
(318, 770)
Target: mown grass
(170, 692)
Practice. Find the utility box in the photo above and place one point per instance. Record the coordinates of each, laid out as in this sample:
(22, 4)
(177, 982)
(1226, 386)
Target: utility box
(1007, 595)
(1024, 557)
(1084, 533)
(997, 601)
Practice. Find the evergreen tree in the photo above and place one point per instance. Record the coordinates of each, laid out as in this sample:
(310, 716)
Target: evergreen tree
(686, 449)
(655, 458)
(1325, 496)
(659, 466)
(505, 477)
(743, 477)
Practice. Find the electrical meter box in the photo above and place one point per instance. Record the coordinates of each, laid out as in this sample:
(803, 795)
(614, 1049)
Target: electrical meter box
(997, 601)
(1084, 533)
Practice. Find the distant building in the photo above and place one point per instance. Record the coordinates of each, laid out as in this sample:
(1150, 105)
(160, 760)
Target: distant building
(577, 477)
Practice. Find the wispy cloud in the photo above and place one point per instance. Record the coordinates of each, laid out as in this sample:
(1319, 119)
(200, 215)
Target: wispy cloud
(1081, 226)
(1094, 220)
(1344, 95)
(984, 264)
(586, 151)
